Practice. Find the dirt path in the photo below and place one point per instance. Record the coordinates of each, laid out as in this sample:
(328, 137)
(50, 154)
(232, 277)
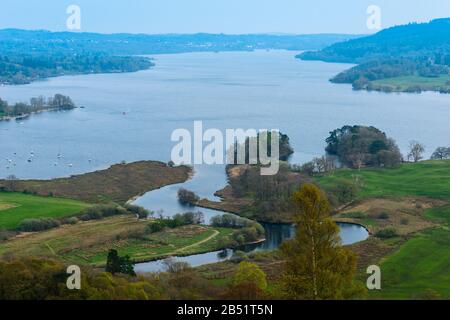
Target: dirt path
(215, 234)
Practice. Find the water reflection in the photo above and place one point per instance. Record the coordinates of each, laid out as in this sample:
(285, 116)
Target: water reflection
(275, 235)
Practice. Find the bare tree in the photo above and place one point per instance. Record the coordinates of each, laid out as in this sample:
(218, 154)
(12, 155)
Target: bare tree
(416, 150)
(11, 183)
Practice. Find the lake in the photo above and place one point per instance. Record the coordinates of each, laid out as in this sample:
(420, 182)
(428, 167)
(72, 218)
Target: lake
(130, 117)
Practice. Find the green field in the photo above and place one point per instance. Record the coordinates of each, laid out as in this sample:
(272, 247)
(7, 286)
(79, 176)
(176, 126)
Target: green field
(439, 214)
(420, 264)
(405, 82)
(428, 179)
(89, 242)
(15, 207)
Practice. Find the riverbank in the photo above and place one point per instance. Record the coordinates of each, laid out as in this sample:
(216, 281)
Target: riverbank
(27, 115)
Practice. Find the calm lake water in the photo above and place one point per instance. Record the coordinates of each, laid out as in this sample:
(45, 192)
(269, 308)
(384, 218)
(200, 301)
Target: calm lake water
(130, 117)
(263, 89)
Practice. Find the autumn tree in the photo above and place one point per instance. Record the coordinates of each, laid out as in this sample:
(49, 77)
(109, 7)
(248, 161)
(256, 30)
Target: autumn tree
(317, 266)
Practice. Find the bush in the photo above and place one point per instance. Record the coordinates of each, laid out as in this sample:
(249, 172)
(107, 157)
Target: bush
(239, 256)
(6, 234)
(35, 225)
(387, 233)
(187, 197)
(102, 211)
(231, 221)
(247, 235)
(189, 218)
(139, 211)
(176, 221)
(345, 191)
(72, 220)
(404, 221)
(154, 227)
(383, 216)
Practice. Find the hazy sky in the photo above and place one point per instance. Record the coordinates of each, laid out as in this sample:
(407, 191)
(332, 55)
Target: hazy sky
(217, 16)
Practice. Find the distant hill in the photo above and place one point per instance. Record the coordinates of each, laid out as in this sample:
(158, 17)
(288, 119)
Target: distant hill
(26, 56)
(409, 58)
(407, 41)
(24, 41)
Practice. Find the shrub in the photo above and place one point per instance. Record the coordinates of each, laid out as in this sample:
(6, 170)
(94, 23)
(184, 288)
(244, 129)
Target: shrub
(187, 197)
(189, 218)
(6, 234)
(154, 227)
(345, 191)
(139, 211)
(383, 216)
(239, 256)
(35, 225)
(387, 233)
(246, 235)
(72, 220)
(231, 221)
(102, 211)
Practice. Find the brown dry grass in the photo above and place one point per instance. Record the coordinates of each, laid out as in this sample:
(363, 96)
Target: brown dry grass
(119, 183)
(406, 215)
(6, 206)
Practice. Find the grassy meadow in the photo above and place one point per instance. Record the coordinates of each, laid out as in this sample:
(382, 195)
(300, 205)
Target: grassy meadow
(89, 242)
(405, 82)
(424, 179)
(15, 207)
(421, 264)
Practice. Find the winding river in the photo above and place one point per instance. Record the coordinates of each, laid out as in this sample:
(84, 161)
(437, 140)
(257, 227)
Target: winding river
(130, 117)
(165, 201)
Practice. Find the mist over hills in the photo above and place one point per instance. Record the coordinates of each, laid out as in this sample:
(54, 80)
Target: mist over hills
(25, 41)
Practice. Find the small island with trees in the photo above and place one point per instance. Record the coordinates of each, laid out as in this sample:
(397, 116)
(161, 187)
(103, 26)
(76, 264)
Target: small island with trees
(22, 110)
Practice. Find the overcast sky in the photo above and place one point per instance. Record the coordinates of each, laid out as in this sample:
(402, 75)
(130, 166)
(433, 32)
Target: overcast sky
(217, 16)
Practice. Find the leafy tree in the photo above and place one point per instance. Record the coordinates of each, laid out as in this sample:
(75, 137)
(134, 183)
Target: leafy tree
(249, 283)
(187, 197)
(317, 266)
(116, 264)
(250, 273)
(41, 279)
(441, 153)
(358, 146)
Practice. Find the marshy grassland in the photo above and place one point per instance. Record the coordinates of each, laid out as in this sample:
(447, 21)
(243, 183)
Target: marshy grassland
(119, 183)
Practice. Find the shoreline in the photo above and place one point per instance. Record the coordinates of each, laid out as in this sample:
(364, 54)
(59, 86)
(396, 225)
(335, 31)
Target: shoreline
(27, 115)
